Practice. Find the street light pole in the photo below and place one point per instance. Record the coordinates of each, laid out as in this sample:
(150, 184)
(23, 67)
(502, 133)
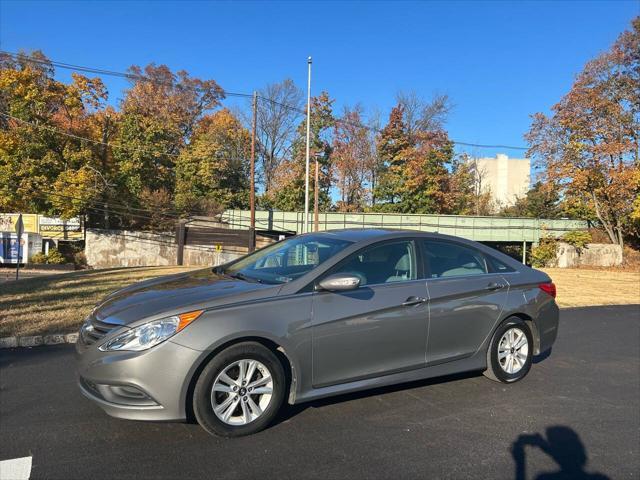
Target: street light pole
(306, 174)
(252, 192)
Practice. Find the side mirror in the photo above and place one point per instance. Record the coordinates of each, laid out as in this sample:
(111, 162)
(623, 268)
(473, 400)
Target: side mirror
(339, 282)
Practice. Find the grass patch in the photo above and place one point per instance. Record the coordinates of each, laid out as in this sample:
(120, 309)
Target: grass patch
(59, 303)
(580, 287)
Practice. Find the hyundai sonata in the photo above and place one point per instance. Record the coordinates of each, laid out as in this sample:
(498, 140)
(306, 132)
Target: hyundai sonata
(309, 317)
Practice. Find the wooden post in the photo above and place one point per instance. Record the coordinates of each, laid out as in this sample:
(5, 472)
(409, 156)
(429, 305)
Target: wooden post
(252, 191)
(19, 232)
(180, 238)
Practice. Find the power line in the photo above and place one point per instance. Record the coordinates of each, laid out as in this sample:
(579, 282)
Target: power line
(101, 71)
(132, 76)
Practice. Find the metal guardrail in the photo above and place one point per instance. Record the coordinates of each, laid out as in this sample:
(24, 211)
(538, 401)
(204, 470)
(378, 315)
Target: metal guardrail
(482, 229)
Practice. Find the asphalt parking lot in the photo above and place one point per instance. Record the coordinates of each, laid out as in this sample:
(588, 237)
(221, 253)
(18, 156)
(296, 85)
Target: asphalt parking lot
(576, 415)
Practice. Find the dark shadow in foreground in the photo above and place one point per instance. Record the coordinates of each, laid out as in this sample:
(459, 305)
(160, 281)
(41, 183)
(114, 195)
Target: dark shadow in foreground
(564, 446)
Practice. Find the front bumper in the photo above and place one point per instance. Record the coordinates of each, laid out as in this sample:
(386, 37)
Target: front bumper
(148, 385)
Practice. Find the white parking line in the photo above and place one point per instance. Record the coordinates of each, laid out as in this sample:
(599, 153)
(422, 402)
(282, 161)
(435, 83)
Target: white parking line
(15, 469)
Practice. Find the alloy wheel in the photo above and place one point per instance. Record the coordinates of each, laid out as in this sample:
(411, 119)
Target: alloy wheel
(242, 392)
(513, 350)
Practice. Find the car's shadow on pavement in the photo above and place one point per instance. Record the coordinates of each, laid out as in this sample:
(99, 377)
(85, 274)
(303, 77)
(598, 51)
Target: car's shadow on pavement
(564, 446)
(290, 411)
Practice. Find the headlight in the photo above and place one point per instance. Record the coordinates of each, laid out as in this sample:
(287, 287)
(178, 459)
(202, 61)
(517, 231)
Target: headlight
(150, 334)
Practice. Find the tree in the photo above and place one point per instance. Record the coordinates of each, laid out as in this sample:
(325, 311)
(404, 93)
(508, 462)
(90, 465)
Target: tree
(158, 117)
(214, 167)
(589, 144)
(422, 115)
(42, 170)
(353, 159)
(392, 145)
(482, 203)
(426, 185)
(288, 188)
(539, 202)
(416, 173)
(278, 113)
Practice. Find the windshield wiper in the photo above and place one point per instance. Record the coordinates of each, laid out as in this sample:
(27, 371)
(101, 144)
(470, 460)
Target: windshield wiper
(246, 278)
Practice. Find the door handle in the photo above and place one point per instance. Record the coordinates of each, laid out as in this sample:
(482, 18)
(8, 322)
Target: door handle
(413, 301)
(495, 286)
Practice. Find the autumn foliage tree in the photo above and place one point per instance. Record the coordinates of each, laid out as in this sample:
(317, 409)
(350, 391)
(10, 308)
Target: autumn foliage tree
(353, 161)
(158, 116)
(214, 168)
(589, 145)
(40, 170)
(419, 172)
(288, 188)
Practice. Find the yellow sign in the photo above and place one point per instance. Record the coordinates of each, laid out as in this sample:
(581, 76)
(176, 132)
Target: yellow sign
(48, 227)
(55, 227)
(8, 222)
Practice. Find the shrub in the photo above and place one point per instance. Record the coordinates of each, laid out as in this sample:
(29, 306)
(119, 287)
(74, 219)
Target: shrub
(578, 238)
(38, 258)
(55, 257)
(544, 254)
(79, 259)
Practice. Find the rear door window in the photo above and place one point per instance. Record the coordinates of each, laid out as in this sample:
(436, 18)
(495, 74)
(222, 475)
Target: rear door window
(497, 266)
(449, 259)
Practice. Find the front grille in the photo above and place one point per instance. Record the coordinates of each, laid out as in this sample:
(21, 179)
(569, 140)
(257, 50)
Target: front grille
(93, 330)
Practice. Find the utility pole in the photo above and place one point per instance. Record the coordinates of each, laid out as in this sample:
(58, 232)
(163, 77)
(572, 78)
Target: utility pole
(252, 191)
(306, 174)
(316, 188)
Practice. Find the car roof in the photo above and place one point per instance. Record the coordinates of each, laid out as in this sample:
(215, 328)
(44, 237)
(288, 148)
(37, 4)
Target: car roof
(360, 234)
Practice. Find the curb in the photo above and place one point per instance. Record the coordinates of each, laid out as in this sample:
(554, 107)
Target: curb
(38, 340)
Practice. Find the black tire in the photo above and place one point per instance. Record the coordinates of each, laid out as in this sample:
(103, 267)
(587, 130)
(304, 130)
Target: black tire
(202, 403)
(494, 369)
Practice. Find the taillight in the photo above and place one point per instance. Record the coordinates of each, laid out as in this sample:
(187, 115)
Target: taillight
(548, 288)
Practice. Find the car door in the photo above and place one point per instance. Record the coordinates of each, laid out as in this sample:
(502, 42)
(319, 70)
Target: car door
(465, 299)
(378, 328)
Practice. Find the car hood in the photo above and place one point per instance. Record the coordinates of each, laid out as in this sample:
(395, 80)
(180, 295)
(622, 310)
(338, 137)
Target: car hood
(172, 294)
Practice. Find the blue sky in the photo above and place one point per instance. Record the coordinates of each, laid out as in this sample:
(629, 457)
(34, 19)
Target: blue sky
(499, 61)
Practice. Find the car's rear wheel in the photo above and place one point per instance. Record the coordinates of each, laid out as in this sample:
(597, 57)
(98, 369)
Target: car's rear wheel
(240, 390)
(510, 352)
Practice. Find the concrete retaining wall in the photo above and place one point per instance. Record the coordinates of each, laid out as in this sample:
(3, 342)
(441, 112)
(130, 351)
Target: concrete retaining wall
(594, 255)
(121, 248)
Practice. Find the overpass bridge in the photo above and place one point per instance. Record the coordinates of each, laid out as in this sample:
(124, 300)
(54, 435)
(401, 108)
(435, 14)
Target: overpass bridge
(491, 230)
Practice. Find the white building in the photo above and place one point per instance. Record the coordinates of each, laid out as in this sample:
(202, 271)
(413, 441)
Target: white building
(507, 179)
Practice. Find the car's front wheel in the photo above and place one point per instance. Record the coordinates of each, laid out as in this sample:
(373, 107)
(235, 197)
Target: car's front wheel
(240, 390)
(510, 353)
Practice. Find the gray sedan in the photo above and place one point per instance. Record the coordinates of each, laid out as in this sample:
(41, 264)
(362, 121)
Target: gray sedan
(309, 317)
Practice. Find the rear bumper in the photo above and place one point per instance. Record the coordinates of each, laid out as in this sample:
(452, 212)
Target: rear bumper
(547, 322)
(149, 385)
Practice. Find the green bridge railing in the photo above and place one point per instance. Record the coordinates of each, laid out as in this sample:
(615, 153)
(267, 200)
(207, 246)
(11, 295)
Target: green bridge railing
(482, 229)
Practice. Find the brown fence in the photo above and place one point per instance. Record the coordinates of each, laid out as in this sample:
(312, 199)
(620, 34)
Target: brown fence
(237, 241)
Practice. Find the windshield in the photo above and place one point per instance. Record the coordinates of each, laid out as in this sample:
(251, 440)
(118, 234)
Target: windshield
(286, 260)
